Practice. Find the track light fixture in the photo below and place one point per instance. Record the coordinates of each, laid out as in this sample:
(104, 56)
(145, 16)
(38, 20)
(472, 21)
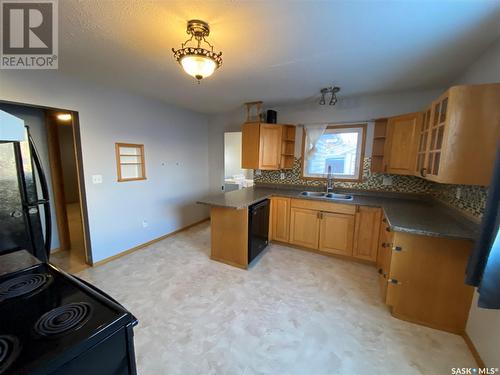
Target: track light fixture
(333, 90)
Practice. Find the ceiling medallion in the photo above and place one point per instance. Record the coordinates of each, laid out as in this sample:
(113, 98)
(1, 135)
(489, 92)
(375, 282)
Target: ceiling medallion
(329, 90)
(195, 60)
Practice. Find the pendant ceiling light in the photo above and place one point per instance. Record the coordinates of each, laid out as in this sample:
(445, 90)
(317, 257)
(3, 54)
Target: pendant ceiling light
(196, 60)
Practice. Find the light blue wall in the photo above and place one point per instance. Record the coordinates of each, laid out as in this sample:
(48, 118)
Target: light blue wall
(176, 151)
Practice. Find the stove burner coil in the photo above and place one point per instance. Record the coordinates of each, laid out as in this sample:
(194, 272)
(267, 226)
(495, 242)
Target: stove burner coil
(9, 350)
(22, 285)
(63, 319)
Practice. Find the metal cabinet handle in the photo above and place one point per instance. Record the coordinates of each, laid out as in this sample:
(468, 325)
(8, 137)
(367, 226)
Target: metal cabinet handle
(393, 281)
(397, 248)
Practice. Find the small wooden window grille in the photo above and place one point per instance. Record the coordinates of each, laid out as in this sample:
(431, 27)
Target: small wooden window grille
(130, 163)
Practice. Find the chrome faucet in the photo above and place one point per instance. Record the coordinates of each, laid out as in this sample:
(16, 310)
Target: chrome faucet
(329, 180)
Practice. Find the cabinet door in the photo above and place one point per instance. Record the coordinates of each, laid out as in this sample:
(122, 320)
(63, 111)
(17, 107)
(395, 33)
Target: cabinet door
(384, 260)
(367, 233)
(336, 233)
(436, 137)
(430, 287)
(280, 218)
(401, 144)
(423, 144)
(270, 146)
(304, 227)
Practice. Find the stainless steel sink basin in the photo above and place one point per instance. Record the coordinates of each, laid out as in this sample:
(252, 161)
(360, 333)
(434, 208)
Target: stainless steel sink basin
(319, 194)
(344, 197)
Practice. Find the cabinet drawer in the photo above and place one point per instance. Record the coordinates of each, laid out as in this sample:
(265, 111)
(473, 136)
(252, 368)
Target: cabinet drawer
(309, 204)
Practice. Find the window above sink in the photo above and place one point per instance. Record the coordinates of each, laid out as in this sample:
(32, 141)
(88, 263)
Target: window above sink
(340, 147)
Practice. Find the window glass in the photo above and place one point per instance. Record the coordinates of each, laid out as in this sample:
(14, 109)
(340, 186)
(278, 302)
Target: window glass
(339, 149)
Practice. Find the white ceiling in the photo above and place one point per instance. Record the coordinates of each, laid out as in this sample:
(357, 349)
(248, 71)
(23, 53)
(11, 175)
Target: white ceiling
(276, 51)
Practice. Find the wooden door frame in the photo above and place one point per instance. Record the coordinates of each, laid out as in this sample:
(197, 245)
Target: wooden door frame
(80, 173)
(53, 146)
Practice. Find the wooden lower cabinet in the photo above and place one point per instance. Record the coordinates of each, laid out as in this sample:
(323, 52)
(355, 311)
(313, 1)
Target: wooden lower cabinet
(336, 233)
(426, 281)
(367, 233)
(280, 219)
(384, 259)
(304, 227)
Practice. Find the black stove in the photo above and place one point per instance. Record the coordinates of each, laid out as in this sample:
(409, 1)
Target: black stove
(55, 323)
(24, 284)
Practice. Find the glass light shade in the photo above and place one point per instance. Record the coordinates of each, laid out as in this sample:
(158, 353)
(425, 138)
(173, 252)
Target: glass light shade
(64, 116)
(198, 66)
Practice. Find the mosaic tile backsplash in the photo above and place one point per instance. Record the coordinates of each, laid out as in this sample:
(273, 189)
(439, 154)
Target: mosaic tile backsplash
(471, 199)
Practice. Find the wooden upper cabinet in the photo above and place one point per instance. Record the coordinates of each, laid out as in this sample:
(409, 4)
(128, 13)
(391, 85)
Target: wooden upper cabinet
(401, 143)
(263, 146)
(336, 233)
(366, 234)
(304, 227)
(280, 218)
(462, 136)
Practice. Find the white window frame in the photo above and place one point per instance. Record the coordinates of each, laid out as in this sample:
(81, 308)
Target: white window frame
(360, 152)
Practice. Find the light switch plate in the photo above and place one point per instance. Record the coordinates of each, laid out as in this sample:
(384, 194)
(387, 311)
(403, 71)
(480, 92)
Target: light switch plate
(97, 178)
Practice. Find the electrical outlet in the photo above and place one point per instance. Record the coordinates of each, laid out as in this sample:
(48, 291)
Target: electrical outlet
(97, 178)
(387, 180)
(145, 224)
(282, 175)
(458, 193)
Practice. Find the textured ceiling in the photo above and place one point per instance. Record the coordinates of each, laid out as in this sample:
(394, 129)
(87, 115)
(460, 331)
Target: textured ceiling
(276, 51)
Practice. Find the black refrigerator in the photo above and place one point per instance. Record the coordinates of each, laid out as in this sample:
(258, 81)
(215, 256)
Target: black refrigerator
(24, 199)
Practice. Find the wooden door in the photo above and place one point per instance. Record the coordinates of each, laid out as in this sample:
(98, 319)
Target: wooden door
(401, 143)
(367, 233)
(336, 233)
(304, 227)
(270, 146)
(280, 218)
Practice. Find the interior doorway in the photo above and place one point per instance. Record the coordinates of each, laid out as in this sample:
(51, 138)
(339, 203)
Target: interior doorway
(234, 176)
(73, 255)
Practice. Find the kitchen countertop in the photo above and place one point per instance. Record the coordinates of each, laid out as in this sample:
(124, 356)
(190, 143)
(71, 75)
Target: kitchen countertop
(404, 212)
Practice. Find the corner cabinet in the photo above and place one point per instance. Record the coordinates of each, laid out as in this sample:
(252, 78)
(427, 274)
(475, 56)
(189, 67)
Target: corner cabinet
(425, 284)
(401, 143)
(267, 146)
(459, 136)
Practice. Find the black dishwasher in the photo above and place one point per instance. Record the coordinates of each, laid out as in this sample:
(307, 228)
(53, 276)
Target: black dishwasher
(258, 228)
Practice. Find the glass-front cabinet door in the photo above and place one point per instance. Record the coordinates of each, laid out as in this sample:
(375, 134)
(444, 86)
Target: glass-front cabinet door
(423, 142)
(436, 133)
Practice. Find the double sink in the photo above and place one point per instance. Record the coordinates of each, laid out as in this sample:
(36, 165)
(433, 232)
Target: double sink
(322, 195)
